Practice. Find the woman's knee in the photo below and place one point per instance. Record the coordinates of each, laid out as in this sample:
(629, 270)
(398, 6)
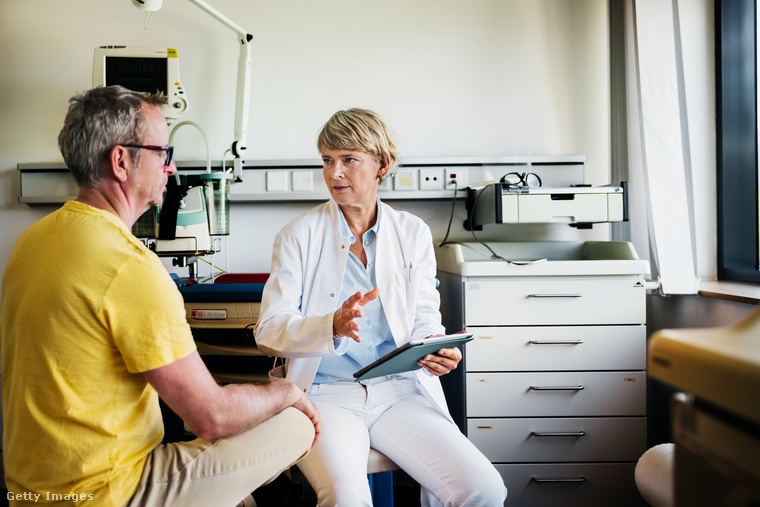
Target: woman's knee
(344, 494)
(481, 489)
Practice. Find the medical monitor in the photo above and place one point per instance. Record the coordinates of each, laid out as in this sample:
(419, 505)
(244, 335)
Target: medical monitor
(143, 70)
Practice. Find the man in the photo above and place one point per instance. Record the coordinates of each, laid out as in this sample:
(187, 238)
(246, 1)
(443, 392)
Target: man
(93, 330)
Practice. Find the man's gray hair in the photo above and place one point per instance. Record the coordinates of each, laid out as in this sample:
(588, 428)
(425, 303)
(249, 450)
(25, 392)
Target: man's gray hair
(98, 120)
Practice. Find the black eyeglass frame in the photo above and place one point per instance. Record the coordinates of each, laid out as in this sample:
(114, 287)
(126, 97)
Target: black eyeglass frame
(168, 149)
(523, 179)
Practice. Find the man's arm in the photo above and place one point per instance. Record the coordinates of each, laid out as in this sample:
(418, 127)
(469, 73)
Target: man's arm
(214, 411)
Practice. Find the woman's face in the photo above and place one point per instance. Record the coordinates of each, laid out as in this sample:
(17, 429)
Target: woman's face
(352, 177)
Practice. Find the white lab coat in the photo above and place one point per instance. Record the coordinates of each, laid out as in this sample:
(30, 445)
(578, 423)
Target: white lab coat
(308, 261)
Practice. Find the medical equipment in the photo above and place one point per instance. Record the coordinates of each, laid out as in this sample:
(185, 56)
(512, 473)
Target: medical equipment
(195, 212)
(183, 225)
(716, 416)
(242, 97)
(142, 69)
(580, 206)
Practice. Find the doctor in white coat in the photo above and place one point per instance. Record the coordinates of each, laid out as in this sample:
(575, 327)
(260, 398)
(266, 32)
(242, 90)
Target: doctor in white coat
(351, 280)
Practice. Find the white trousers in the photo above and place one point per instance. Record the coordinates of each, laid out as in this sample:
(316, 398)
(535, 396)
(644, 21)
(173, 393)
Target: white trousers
(394, 417)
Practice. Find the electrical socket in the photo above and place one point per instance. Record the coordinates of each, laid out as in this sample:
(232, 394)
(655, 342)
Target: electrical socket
(277, 181)
(405, 179)
(302, 180)
(431, 179)
(455, 175)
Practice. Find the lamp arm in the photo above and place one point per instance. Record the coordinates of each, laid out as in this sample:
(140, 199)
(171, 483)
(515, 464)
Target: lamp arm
(220, 17)
(242, 97)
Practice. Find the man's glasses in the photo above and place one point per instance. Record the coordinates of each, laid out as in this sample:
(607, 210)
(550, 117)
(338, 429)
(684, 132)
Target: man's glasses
(521, 180)
(168, 149)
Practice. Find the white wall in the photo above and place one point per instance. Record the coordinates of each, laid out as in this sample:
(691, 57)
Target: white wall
(453, 78)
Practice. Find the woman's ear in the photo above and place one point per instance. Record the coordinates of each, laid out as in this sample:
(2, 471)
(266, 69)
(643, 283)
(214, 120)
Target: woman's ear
(384, 167)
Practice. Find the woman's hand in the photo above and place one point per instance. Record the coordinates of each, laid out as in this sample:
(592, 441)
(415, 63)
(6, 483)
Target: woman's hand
(344, 318)
(441, 362)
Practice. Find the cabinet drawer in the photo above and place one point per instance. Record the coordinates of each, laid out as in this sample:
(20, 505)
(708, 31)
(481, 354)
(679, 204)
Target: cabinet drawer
(554, 301)
(571, 485)
(557, 348)
(550, 394)
(559, 440)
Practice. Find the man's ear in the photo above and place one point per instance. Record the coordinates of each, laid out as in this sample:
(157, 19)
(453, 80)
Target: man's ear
(120, 162)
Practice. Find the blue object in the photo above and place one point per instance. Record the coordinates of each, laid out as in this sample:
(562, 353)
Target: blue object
(224, 292)
(381, 486)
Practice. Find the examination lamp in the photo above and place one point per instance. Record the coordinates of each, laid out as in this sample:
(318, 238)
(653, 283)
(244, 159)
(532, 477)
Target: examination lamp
(242, 97)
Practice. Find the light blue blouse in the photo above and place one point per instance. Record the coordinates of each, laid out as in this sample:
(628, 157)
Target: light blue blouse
(375, 334)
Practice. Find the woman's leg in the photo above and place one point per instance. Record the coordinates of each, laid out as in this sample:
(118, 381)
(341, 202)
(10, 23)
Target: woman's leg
(336, 467)
(433, 451)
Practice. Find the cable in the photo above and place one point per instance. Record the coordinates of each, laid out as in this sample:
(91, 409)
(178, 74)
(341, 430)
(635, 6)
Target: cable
(451, 217)
(205, 140)
(494, 255)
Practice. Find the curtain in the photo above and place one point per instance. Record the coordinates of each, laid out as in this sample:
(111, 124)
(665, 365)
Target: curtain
(658, 151)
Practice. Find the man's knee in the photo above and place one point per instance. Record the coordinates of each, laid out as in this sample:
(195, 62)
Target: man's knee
(296, 426)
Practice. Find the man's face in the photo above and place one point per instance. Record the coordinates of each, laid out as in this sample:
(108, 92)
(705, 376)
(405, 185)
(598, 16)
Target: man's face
(151, 174)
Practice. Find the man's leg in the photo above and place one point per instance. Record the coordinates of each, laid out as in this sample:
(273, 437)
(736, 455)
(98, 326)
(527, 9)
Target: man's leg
(222, 472)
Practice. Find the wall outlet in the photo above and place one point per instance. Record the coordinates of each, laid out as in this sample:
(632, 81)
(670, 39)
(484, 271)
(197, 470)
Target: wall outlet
(302, 180)
(405, 179)
(431, 179)
(455, 179)
(277, 181)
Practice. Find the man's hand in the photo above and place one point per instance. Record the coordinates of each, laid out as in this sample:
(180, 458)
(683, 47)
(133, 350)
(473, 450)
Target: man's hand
(305, 405)
(441, 362)
(344, 318)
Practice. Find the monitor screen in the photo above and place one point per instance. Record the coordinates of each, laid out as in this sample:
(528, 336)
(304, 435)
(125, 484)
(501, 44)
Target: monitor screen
(143, 70)
(140, 74)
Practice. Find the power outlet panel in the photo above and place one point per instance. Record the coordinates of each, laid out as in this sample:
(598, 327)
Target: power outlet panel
(454, 179)
(431, 179)
(405, 179)
(277, 181)
(302, 181)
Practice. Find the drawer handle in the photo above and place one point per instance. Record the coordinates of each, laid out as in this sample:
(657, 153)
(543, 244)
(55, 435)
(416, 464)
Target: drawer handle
(557, 433)
(555, 342)
(571, 479)
(556, 388)
(555, 295)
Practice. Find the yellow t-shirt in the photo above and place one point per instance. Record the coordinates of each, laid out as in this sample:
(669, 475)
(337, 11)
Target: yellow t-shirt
(85, 308)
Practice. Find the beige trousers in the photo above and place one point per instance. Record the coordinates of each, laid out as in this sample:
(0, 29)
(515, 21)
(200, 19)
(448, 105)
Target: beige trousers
(222, 472)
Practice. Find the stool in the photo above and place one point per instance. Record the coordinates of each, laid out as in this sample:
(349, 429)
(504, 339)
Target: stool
(654, 475)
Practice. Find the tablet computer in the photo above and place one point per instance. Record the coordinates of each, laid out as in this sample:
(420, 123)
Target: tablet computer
(405, 357)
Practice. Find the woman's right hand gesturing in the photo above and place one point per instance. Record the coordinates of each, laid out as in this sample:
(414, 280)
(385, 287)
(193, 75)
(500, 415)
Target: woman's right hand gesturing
(344, 318)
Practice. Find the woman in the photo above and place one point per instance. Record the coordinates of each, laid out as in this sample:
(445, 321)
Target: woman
(351, 280)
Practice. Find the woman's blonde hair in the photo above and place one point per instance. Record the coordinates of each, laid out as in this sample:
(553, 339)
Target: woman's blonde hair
(360, 130)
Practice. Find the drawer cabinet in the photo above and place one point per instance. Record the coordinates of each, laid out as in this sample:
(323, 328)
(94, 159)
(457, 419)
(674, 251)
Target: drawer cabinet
(571, 485)
(559, 301)
(555, 394)
(558, 440)
(557, 348)
(552, 389)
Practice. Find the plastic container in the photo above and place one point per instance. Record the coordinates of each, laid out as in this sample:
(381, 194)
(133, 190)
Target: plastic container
(216, 188)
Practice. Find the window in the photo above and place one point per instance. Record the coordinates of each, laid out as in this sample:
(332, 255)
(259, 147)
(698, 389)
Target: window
(737, 140)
